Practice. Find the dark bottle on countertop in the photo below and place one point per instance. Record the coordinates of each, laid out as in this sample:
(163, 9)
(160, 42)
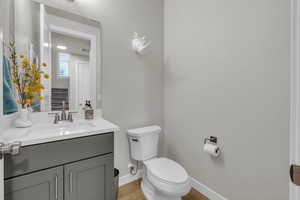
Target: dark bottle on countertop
(88, 110)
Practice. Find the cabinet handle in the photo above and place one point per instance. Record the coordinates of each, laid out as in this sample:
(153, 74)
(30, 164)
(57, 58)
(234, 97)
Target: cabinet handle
(71, 182)
(56, 187)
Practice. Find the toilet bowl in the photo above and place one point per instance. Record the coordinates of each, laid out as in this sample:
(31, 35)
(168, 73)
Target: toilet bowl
(162, 178)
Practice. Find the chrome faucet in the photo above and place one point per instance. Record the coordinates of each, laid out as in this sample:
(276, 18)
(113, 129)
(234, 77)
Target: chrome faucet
(63, 115)
(56, 117)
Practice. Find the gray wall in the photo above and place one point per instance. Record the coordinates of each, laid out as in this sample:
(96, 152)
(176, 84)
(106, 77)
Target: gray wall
(227, 75)
(132, 84)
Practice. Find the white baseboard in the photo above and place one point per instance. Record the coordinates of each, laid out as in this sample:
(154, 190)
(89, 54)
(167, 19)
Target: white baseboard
(128, 179)
(206, 191)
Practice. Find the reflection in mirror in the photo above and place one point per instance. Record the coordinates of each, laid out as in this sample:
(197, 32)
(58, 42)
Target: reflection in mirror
(70, 66)
(68, 43)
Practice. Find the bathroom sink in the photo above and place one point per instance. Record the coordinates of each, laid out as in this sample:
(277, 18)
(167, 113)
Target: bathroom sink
(65, 126)
(62, 128)
(47, 132)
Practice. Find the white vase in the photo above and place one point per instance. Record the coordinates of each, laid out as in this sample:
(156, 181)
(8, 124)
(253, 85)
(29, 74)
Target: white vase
(23, 119)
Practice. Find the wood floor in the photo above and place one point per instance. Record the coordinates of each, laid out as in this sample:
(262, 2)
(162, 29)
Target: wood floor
(132, 191)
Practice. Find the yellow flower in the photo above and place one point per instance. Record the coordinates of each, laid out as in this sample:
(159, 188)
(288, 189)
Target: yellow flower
(44, 64)
(28, 101)
(40, 98)
(37, 76)
(25, 62)
(33, 66)
(39, 87)
(34, 89)
(46, 76)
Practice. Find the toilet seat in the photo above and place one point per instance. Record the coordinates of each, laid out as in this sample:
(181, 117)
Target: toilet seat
(166, 170)
(167, 176)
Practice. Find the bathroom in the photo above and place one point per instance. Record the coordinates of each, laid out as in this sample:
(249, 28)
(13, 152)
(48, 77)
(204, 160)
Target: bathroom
(195, 73)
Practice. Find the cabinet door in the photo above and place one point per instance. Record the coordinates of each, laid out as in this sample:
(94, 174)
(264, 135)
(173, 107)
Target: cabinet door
(43, 185)
(90, 179)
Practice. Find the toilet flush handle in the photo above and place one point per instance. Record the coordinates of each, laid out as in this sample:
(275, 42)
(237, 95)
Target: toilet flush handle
(134, 139)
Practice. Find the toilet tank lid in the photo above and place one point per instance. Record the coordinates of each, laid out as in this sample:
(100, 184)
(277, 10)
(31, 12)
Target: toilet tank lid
(139, 132)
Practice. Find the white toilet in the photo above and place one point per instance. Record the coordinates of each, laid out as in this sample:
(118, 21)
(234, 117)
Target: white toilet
(162, 178)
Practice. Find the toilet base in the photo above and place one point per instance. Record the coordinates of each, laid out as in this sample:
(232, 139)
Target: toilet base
(153, 194)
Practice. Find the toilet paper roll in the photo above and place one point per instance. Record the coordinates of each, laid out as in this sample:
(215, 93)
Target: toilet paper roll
(212, 149)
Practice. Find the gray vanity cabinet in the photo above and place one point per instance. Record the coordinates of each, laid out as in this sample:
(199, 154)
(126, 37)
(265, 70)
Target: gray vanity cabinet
(89, 179)
(75, 169)
(43, 185)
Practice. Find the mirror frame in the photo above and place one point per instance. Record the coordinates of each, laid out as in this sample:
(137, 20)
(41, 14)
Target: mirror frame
(64, 8)
(1, 63)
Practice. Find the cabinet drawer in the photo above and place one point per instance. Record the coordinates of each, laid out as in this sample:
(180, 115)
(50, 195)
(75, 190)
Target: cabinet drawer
(47, 155)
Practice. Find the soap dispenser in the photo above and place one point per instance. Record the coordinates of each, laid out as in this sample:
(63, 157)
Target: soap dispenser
(88, 110)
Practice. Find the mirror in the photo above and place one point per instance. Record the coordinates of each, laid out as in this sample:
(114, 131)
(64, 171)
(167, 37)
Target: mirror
(70, 46)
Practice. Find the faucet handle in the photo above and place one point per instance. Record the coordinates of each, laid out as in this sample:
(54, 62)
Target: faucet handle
(56, 117)
(70, 115)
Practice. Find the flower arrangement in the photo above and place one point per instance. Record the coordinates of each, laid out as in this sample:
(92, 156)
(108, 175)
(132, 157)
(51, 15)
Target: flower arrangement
(26, 77)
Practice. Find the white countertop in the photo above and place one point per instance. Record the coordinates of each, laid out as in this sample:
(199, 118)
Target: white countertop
(47, 132)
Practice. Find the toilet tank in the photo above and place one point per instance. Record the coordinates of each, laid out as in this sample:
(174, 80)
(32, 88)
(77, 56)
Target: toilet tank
(144, 142)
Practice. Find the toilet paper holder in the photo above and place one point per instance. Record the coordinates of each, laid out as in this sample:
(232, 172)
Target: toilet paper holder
(212, 139)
